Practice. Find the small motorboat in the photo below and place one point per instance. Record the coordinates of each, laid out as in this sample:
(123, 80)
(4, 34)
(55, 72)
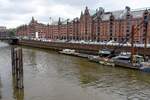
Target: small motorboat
(106, 57)
(106, 62)
(94, 58)
(83, 55)
(68, 52)
(104, 53)
(103, 58)
(125, 61)
(101, 54)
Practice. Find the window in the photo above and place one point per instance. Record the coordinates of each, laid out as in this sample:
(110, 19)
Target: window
(145, 17)
(111, 27)
(111, 31)
(128, 23)
(127, 35)
(127, 31)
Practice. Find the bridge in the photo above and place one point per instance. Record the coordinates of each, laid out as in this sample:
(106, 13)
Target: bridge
(10, 40)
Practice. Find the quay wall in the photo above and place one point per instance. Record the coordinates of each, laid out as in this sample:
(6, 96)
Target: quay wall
(84, 48)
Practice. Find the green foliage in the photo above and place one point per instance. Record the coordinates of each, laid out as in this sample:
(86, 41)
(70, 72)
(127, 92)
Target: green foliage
(12, 32)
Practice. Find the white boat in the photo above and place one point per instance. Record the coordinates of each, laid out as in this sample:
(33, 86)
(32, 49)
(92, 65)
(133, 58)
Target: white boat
(94, 58)
(104, 53)
(67, 51)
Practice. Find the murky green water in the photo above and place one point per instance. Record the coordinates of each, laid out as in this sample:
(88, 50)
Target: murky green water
(52, 76)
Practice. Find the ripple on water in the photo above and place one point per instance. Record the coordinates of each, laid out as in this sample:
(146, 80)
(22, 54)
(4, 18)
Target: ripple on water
(51, 69)
(122, 84)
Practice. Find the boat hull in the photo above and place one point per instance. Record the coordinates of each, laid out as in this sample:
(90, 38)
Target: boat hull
(107, 63)
(101, 60)
(69, 53)
(145, 70)
(125, 64)
(94, 59)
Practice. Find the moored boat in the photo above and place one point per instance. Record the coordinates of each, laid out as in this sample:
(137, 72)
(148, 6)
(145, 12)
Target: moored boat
(83, 55)
(94, 58)
(106, 62)
(104, 53)
(124, 60)
(138, 62)
(103, 58)
(69, 52)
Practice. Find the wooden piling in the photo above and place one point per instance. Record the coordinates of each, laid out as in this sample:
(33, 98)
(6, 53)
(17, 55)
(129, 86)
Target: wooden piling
(17, 67)
(18, 94)
(12, 59)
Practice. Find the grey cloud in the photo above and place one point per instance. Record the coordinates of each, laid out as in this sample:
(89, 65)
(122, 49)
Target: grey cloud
(16, 12)
(15, 7)
(78, 3)
(42, 9)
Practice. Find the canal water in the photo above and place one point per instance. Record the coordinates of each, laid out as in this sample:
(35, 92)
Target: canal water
(49, 75)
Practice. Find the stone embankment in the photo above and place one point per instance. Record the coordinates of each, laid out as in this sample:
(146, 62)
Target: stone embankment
(83, 48)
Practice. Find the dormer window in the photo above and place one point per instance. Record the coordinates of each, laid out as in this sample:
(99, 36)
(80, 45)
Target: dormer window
(127, 8)
(111, 17)
(145, 17)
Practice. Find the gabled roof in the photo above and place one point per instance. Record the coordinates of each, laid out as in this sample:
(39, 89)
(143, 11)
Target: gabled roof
(105, 16)
(137, 14)
(121, 14)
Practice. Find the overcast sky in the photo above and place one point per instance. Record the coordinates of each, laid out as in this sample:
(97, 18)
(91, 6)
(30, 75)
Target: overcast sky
(17, 12)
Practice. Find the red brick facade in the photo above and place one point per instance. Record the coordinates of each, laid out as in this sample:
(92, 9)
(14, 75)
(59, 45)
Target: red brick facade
(101, 26)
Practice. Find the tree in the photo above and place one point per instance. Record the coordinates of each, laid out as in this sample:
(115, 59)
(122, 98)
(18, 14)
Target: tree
(12, 32)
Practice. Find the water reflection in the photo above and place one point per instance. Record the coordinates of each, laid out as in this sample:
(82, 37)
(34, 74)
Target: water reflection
(0, 88)
(86, 77)
(31, 59)
(52, 76)
(123, 82)
(3, 44)
(18, 94)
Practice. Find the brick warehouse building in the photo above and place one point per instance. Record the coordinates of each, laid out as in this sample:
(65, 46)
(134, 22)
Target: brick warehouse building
(100, 26)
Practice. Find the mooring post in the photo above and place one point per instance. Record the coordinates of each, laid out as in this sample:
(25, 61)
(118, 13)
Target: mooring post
(20, 68)
(13, 60)
(17, 93)
(17, 67)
